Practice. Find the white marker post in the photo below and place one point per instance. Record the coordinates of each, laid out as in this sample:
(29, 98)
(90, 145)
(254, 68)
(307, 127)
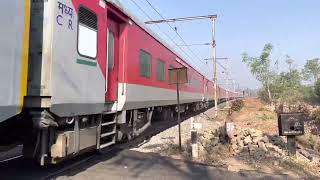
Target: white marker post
(178, 76)
(194, 138)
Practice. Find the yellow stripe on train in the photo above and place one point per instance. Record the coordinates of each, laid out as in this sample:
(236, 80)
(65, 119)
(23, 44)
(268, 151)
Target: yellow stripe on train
(25, 53)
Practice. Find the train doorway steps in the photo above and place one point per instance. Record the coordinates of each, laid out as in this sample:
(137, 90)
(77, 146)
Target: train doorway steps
(107, 131)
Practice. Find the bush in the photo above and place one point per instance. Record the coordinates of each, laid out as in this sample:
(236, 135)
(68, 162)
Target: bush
(315, 115)
(304, 109)
(237, 105)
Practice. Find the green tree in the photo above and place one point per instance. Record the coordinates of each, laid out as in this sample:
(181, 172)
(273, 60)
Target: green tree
(287, 87)
(317, 89)
(261, 68)
(311, 69)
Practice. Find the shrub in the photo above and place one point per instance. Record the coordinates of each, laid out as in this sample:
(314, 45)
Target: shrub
(237, 105)
(304, 109)
(315, 115)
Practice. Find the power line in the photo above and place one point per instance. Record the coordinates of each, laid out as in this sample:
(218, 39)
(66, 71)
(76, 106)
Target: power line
(201, 44)
(147, 15)
(184, 42)
(222, 65)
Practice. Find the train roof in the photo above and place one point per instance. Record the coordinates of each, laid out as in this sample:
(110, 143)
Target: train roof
(127, 12)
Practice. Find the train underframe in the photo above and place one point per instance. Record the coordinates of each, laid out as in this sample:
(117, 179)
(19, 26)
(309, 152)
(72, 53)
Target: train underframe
(50, 139)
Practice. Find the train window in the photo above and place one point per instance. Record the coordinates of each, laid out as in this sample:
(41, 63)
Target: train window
(145, 63)
(110, 50)
(170, 67)
(160, 70)
(87, 33)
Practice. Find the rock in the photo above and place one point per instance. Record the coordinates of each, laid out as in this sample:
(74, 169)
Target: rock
(312, 157)
(215, 141)
(280, 151)
(274, 148)
(255, 140)
(239, 140)
(299, 146)
(276, 140)
(206, 141)
(240, 144)
(250, 131)
(252, 147)
(268, 145)
(246, 132)
(276, 163)
(247, 140)
(259, 154)
(265, 139)
(240, 148)
(262, 146)
(245, 149)
(215, 132)
(255, 133)
(315, 159)
(232, 168)
(302, 156)
(234, 147)
(233, 141)
(304, 153)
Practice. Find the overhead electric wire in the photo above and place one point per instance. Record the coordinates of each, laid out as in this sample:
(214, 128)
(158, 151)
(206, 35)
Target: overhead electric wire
(146, 14)
(184, 42)
(174, 31)
(203, 44)
(221, 65)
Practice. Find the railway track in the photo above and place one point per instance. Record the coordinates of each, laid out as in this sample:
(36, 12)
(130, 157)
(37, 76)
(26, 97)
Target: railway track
(28, 170)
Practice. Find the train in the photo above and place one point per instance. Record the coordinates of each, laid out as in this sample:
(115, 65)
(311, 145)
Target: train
(80, 75)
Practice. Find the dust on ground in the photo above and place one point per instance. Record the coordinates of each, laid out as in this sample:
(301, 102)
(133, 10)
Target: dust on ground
(256, 146)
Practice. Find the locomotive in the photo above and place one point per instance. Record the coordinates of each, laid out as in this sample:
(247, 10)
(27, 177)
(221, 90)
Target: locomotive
(78, 75)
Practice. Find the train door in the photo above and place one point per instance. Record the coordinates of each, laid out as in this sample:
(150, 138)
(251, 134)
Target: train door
(205, 89)
(113, 61)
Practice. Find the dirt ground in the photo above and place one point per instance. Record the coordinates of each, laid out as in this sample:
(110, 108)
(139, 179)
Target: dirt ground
(256, 117)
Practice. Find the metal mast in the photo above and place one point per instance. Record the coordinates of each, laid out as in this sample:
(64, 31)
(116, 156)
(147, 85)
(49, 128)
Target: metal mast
(214, 51)
(214, 55)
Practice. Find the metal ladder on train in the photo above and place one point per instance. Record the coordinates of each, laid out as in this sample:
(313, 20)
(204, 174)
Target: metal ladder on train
(107, 130)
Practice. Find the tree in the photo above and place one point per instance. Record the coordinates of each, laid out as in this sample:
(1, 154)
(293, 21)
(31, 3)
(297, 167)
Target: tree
(287, 86)
(311, 69)
(317, 89)
(261, 68)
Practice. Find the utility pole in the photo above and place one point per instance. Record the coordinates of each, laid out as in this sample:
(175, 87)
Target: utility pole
(214, 59)
(179, 118)
(227, 82)
(214, 51)
(214, 55)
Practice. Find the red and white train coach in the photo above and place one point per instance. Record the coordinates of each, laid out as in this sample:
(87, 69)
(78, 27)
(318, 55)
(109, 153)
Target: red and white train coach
(92, 74)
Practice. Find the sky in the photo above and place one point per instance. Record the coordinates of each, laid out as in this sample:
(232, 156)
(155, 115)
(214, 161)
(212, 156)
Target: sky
(291, 26)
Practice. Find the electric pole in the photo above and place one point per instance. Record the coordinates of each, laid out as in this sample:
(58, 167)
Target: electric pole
(214, 54)
(214, 51)
(215, 62)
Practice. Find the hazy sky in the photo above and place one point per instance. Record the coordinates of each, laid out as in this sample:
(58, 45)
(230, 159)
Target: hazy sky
(292, 26)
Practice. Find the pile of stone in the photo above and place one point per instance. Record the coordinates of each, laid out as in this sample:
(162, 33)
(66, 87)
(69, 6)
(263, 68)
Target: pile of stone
(247, 141)
(309, 154)
(255, 143)
(252, 143)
